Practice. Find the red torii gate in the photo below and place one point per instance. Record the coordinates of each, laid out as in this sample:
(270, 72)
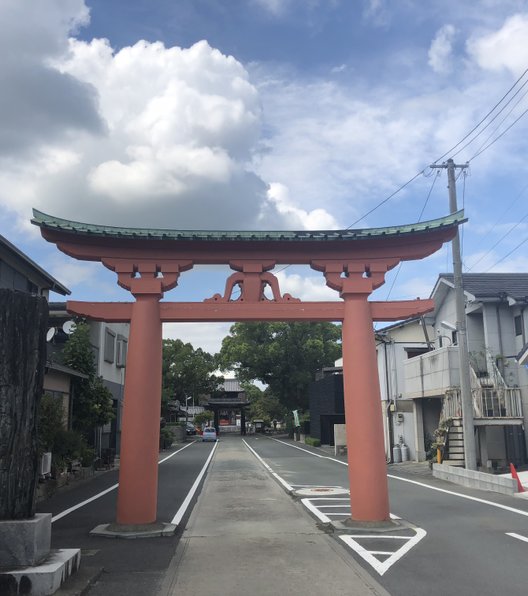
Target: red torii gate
(149, 263)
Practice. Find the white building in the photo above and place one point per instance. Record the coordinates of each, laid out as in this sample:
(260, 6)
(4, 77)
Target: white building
(496, 331)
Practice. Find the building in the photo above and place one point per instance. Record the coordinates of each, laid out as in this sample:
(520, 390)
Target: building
(326, 402)
(19, 272)
(496, 330)
(395, 345)
(109, 343)
(229, 405)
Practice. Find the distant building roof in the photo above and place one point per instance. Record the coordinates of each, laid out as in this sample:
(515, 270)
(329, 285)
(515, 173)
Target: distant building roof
(231, 385)
(491, 285)
(48, 281)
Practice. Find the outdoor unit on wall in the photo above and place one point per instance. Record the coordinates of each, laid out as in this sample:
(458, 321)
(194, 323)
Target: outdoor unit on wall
(45, 465)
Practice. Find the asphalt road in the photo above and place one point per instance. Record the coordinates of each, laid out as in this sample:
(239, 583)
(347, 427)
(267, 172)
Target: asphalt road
(451, 540)
(460, 546)
(125, 567)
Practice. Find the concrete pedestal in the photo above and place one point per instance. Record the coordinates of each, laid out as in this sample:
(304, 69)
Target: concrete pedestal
(41, 580)
(25, 542)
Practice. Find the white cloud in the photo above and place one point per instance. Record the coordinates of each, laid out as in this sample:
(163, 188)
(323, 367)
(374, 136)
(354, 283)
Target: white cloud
(317, 219)
(168, 134)
(505, 48)
(38, 104)
(275, 7)
(306, 287)
(207, 336)
(441, 50)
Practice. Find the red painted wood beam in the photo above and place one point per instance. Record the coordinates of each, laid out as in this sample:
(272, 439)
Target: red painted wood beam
(178, 312)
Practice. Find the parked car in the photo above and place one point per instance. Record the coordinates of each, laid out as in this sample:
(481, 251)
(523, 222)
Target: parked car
(209, 434)
(189, 429)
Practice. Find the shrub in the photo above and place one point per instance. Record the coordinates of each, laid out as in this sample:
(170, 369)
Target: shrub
(312, 441)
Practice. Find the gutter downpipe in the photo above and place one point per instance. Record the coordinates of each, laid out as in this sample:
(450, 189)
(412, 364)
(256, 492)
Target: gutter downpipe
(390, 421)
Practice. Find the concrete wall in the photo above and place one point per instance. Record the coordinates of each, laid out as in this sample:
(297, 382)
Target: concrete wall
(472, 479)
(430, 374)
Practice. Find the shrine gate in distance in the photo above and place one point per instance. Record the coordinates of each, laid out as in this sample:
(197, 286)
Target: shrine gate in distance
(148, 263)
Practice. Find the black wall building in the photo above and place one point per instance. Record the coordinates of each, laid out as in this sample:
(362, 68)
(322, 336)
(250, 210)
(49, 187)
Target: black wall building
(327, 405)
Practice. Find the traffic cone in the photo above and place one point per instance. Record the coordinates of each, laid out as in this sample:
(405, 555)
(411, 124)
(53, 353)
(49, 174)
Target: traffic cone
(520, 487)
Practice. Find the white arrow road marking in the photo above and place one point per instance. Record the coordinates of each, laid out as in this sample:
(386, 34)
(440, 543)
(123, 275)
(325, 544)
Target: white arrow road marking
(369, 556)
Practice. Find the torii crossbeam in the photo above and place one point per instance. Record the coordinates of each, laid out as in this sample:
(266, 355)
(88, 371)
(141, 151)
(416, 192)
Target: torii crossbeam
(149, 263)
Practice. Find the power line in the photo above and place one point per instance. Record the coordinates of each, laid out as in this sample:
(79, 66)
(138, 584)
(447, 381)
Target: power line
(381, 203)
(507, 255)
(507, 233)
(483, 119)
(499, 137)
(437, 174)
(481, 131)
(503, 120)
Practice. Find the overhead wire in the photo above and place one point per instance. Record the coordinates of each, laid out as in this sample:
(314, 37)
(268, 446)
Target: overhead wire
(484, 118)
(481, 131)
(508, 254)
(466, 136)
(482, 257)
(437, 175)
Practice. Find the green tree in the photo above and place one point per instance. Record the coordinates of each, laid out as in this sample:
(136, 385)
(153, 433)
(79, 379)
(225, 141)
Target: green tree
(186, 372)
(204, 417)
(92, 405)
(284, 356)
(264, 405)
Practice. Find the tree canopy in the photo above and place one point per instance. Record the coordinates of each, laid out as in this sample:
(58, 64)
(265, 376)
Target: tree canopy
(284, 356)
(264, 405)
(187, 372)
(93, 401)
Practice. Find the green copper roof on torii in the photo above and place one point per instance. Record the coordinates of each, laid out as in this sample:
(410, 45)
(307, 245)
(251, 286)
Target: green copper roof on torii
(76, 228)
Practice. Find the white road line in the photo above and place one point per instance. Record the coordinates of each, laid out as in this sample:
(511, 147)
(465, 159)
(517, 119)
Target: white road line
(318, 514)
(518, 536)
(287, 486)
(440, 490)
(382, 566)
(105, 492)
(462, 496)
(311, 452)
(183, 507)
(83, 503)
(377, 536)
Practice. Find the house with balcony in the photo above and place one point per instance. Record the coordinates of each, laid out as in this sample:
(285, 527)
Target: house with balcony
(496, 322)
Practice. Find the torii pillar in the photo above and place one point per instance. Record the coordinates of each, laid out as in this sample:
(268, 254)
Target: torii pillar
(367, 471)
(138, 473)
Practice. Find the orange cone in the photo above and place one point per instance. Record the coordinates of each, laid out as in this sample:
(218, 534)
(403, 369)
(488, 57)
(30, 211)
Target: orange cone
(513, 471)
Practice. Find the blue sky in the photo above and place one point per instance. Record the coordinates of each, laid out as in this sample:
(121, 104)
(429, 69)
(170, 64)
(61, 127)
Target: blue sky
(261, 114)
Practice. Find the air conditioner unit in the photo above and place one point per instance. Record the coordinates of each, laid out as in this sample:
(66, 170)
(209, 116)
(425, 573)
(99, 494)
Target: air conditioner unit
(45, 465)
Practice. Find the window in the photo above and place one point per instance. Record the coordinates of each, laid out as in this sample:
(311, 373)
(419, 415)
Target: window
(121, 354)
(517, 321)
(109, 345)
(412, 352)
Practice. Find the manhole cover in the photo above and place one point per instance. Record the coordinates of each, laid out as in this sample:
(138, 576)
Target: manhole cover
(321, 491)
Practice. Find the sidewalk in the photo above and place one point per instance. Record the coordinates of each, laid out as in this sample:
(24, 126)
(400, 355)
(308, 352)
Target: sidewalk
(247, 536)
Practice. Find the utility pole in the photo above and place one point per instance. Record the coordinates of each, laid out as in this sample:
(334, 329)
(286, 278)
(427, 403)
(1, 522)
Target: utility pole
(468, 426)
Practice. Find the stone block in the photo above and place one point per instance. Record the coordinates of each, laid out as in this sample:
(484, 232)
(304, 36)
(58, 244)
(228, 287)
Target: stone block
(44, 579)
(25, 542)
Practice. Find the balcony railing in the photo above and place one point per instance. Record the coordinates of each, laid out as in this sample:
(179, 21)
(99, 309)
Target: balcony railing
(487, 403)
